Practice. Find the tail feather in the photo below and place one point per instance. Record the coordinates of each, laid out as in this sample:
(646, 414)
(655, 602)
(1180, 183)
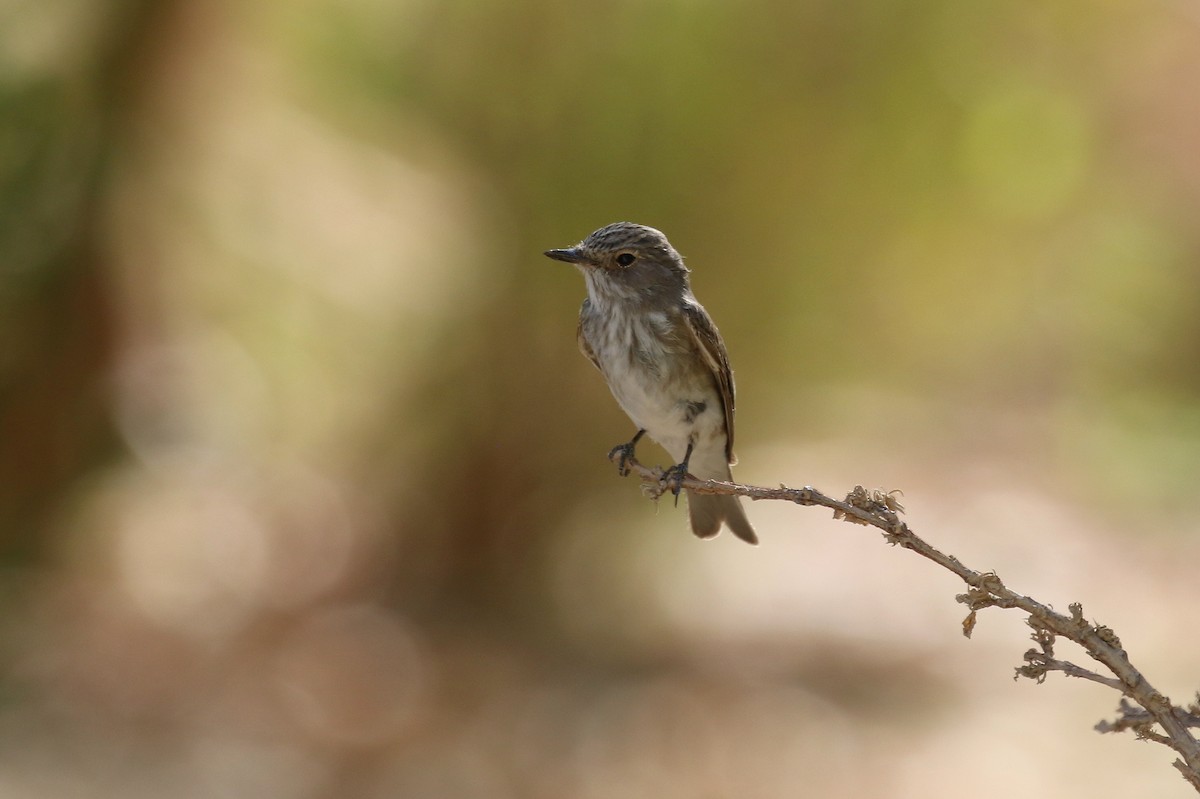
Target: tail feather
(708, 511)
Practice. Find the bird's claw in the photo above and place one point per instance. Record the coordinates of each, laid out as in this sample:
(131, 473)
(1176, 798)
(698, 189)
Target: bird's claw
(673, 479)
(622, 454)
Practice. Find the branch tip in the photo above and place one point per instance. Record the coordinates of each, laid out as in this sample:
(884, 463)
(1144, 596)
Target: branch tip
(881, 509)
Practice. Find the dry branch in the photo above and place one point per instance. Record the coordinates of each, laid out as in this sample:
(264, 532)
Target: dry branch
(984, 590)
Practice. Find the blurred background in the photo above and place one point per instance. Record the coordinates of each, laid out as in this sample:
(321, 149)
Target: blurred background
(302, 479)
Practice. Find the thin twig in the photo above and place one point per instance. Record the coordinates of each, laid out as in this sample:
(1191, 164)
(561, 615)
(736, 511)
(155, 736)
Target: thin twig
(1133, 717)
(985, 589)
(1038, 665)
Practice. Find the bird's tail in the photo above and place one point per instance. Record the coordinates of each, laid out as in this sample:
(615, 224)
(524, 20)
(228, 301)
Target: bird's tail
(708, 511)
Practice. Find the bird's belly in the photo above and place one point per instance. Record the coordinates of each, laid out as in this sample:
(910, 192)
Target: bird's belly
(661, 381)
(675, 402)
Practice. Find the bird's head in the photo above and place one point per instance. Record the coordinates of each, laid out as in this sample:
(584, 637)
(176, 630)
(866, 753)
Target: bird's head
(624, 254)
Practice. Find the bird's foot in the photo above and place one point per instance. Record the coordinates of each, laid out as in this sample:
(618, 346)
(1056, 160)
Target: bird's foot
(673, 479)
(621, 454)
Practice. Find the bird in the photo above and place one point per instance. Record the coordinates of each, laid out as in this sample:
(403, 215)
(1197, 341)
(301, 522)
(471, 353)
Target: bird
(664, 361)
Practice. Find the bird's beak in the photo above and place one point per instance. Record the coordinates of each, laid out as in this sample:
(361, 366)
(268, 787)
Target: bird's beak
(571, 255)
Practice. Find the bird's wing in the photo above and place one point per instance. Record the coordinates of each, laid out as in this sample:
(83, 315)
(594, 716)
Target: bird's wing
(584, 347)
(712, 348)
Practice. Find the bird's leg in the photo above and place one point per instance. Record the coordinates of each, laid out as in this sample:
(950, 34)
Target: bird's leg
(674, 476)
(623, 452)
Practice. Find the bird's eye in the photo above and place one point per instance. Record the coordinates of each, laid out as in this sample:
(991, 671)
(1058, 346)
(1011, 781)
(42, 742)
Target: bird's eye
(626, 258)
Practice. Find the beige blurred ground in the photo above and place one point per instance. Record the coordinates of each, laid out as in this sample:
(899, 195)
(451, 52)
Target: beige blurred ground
(303, 486)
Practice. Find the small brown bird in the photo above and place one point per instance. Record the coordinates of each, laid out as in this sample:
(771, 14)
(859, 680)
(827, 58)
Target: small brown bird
(663, 360)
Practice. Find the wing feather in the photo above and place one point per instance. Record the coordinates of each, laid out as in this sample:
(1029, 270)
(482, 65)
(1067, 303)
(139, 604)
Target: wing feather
(709, 342)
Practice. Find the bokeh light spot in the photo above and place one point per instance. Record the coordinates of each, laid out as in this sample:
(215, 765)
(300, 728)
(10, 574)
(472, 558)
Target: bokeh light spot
(353, 675)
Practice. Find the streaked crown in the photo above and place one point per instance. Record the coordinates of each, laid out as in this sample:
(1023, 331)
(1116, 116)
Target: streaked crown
(622, 235)
(622, 245)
